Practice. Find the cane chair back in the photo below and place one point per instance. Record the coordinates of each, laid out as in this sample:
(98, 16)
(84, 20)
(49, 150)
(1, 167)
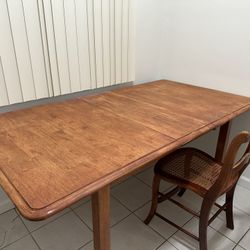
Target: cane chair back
(193, 169)
(232, 170)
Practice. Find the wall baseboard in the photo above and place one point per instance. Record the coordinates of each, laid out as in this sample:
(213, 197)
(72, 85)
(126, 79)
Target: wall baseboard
(244, 182)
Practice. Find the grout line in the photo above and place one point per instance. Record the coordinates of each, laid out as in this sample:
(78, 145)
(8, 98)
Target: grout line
(121, 220)
(144, 182)
(7, 245)
(35, 241)
(134, 211)
(210, 228)
(158, 233)
(29, 233)
(172, 245)
(243, 211)
(222, 233)
(121, 203)
(130, 208)
(47, 222)
(121, 182)
(79, 217)
(73, 208)
(166, 241)
(239, 246)
(236, 242)
(114, 223)
(161, 244)
(243, 237)
(193, 217)
(84, 244)
(9, 211)
(141, 180)
(131, 213)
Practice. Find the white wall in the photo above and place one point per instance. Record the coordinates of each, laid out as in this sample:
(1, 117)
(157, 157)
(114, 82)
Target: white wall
(206, 43)
(149, 20)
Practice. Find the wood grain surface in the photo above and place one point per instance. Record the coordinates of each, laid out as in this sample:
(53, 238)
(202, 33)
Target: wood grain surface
(53, 155)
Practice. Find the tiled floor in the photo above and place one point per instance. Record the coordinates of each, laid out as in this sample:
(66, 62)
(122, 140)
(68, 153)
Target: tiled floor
(130, 202)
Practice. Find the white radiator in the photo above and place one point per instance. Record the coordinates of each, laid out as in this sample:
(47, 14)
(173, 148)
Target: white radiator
(55, 47)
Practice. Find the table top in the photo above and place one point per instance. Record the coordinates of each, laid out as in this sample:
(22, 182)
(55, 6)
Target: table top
(53, 155)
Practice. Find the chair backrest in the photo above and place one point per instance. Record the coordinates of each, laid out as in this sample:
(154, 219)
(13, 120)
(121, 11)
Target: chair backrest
(232, 170)
(242, 138)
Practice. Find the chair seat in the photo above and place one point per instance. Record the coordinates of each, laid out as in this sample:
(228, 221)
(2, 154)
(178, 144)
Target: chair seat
(190, 168)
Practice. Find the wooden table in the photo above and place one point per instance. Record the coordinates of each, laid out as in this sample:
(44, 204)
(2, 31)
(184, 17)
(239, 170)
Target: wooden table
(53, 155)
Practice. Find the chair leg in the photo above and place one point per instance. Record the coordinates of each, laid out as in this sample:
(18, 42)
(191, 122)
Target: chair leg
(203, 223)
(181, 192)
(229, 208)
(154, 204)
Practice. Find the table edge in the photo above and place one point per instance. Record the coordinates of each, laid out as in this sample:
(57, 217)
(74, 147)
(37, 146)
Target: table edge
(53, 208)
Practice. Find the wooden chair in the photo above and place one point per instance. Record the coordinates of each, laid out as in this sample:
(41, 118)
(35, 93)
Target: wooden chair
(195, 170)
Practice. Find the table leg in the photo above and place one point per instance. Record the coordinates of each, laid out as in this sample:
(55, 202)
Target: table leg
(100, 215)
(222, 141)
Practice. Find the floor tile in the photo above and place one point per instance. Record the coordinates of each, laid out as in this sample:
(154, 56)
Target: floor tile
(190, 199)
(11, 228)
(6, 203)
(215, 240)
(66, 233)
(26, 243)
(34, 225)
(120, 181)
(221, 200)
(118, 212)
(80, 202)
(132, 234)
(241, 225)
(89, 246)
(147, 177)
(166, 246)
(132, 193)
(242, 199)
(239, 248)
(168, 210)
(245, 242)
